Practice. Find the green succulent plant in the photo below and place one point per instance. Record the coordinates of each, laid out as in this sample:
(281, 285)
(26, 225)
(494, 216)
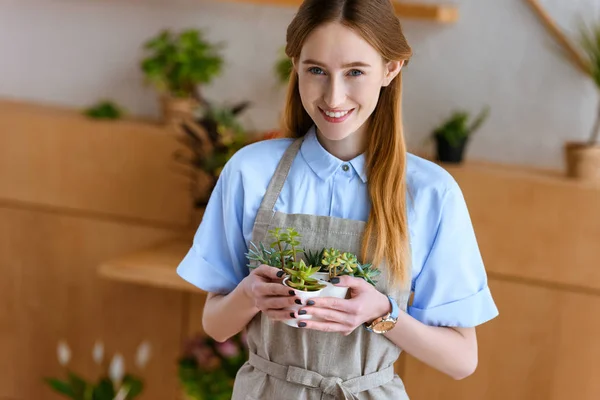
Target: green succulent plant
(457, 128)
(300, 277)
(315, 258)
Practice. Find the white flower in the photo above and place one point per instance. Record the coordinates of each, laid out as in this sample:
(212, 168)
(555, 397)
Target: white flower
(64, 353)
(143, 354)
(122, 394)
(98, 352)
(116, 370)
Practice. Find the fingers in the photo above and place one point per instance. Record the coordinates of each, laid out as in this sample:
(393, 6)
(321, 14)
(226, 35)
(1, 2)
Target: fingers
(266, 304)
(337, 304)
(280, 315)
(267, 272)
(327, 314)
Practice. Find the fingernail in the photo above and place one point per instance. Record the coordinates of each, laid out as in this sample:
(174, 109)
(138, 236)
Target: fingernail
(280, 274)
(310, 303)
(335, 280)
(301, 324)
(298, 301)
(301, 312)
(291, 292)
(292, 315)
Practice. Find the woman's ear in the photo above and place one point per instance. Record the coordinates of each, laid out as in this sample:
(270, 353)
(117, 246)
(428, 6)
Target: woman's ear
(392, 69)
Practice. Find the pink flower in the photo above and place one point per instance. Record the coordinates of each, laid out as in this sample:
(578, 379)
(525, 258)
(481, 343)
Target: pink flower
(228, 349)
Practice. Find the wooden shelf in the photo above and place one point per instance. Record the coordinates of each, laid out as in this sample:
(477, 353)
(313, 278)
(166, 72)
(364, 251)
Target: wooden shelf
(442, 13)
(155, 266)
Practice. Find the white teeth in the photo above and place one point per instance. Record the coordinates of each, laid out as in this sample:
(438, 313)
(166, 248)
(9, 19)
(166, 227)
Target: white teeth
(337, 114)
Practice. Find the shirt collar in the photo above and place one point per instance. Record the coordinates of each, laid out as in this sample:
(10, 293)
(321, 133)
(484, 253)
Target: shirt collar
(323, 163)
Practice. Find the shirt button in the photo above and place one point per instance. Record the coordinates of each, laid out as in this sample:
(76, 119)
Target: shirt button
(345, 167)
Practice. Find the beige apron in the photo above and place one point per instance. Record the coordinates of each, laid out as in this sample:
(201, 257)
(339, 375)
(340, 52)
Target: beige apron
(301, 364)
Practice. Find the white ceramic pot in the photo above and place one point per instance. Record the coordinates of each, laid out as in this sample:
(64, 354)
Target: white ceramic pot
(304, 297)
(324, 276)
(331, 290)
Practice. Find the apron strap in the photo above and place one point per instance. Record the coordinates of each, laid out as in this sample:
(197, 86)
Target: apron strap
(330, 386)
(281, 173)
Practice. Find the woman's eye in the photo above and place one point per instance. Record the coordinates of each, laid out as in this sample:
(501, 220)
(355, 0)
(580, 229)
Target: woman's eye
(355, 72)
(316, 71)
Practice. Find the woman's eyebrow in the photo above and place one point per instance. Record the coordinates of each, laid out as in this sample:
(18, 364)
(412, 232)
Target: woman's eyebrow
(348, 65)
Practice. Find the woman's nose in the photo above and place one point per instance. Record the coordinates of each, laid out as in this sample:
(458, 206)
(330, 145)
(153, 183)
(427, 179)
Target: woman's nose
(335, 94)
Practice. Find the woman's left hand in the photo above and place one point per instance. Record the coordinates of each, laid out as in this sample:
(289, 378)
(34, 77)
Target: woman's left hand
(365, 304)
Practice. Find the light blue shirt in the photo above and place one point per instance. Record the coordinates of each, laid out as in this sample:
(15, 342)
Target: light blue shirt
(449, 279)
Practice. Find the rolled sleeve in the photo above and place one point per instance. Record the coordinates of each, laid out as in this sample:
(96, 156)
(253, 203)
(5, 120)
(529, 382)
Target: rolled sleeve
(451, 289)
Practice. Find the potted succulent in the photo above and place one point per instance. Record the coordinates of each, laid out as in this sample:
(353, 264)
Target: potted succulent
(453, 134)
(176, 64)
(310, 278)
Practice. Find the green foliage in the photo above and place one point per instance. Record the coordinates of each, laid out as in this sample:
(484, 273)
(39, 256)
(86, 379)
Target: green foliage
(300, 277)
(590, 42)
(105, 109)
(456, 127)
(315, 259)
(283, 67)
(589, 38)
(77, 388)
(284, 252)
(177, 63)
(207, 369)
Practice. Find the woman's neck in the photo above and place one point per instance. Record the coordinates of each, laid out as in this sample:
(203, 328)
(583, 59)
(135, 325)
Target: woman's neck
(345, 149)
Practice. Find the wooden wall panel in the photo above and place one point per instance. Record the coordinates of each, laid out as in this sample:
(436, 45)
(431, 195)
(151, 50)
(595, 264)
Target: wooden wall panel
(543, 346)
(534, 225)
(50, 291)
(59, 158)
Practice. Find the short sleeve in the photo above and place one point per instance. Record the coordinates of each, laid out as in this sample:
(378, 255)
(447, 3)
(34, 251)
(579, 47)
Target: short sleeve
(216, 261)
(451, 289)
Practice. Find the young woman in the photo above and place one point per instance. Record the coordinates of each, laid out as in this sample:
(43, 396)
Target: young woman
(343, 179)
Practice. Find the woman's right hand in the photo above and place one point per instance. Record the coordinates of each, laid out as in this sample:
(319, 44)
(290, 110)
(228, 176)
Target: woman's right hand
(263, 286)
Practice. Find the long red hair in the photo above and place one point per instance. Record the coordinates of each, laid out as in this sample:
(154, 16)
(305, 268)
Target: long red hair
(386, 236)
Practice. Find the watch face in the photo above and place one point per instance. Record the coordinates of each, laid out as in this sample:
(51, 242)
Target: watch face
(384, 326)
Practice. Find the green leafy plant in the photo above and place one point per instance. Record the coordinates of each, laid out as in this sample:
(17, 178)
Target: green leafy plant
(283, 67)
(284, 252)
(177, 63)
(105, 109)
(210, 141)
(114, 384)
(315, 259)
(207, 368)
(590, 43)
(300, 277)
(457, 128)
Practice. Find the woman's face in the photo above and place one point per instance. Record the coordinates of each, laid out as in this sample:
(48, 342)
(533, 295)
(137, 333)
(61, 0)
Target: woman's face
(340, 76)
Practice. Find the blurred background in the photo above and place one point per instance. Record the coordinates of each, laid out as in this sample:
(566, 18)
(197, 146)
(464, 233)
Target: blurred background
(117, 116)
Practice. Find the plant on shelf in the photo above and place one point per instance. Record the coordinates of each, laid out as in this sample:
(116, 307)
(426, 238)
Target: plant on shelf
(209, 141)
(283, 67)
(114, 384)
(105, 109)
(452, 135)
(207, 368)
(582, 157)
(176, 64)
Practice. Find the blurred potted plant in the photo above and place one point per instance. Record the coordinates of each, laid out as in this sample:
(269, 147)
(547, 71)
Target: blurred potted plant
(176, 64)
(583, 158)
(453, 134)
(283, 67)
(209, 141)
(113, 384)
(207, 368)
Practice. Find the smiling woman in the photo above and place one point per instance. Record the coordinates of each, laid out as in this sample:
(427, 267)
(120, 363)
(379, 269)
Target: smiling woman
(342, 179)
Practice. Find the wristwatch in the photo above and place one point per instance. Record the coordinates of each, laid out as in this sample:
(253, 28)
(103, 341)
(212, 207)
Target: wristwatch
(387, 322)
